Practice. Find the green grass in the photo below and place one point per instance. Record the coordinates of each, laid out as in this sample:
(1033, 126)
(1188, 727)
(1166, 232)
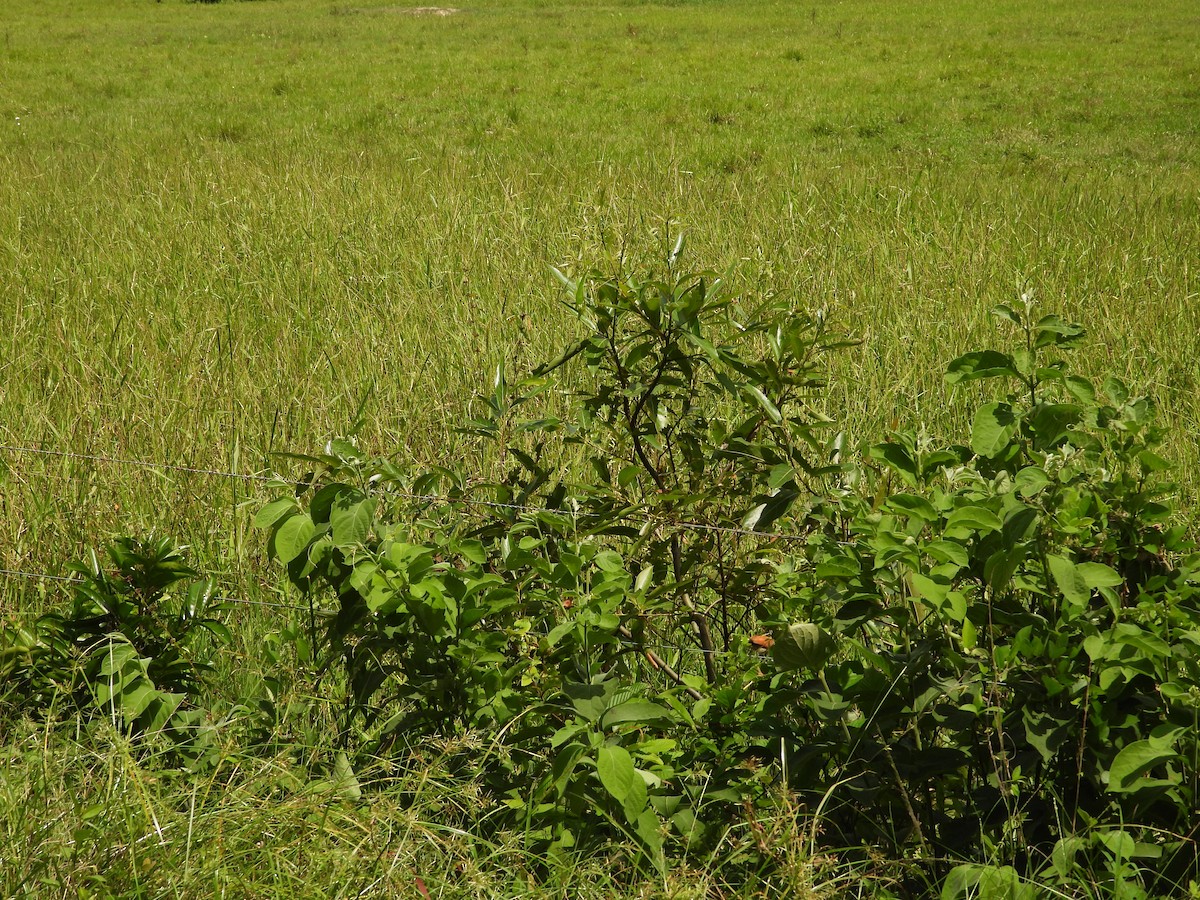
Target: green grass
(94, 818)
(225, 228)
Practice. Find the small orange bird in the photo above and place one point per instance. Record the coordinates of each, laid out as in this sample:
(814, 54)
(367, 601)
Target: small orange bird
(762, 641)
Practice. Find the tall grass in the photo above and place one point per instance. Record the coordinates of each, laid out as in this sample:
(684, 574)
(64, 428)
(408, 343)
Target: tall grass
(228, 230)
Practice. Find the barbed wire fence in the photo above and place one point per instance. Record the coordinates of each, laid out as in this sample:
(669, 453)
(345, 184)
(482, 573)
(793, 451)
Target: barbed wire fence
(233, 598)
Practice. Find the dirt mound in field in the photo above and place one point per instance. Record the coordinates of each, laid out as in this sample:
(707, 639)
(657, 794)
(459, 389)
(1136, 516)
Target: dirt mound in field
(396, 10)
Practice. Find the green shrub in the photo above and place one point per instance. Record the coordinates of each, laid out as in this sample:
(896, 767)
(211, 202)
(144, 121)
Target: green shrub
(1017, 632)
(983, 653)
(537, 609)
(133, 647)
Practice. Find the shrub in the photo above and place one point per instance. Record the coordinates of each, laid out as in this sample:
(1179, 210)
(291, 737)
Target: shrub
(982, 652)
(536, 608)
(1018, 634)
(133, 647)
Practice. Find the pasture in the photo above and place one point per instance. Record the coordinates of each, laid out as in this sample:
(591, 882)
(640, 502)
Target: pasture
(230, 230)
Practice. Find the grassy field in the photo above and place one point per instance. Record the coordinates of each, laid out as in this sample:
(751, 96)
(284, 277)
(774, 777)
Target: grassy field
(238, 228)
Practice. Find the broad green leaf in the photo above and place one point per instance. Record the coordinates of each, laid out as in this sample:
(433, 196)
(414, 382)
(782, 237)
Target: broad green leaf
(993, 429)
(1150, 645)
(936, 462)
(345, 782)
(956, 605)
(1031, 481)
(1080, 388)
(274, 511)
(973, 519)
(647, 827)
(558, 633)
(972, 881)
(362, 576)
(838, 567)
(1053, 330)
(617, 774)
(931, 590)
(1152, 462)
(637, 799)
(293, 536)
(979, 364)
(1116, 391)
(898, 459)
(118, 654)
(344, 450)
(1098, 575)
(1051, 422)
(321, 505)
(1064, 853)
(645, 577)
(1119, 842)
(643, 712)
(136, 698)
(970, 635)
(159, 713)
(1068, 579)
(1007, 313)
(591, 700)
(1175, 690)
(947, 552)
(472, 551)
(350, 519)
(1000, 566)
(1146, 850)
(609, 561)
(912, 505)
(803, 645)
(1024, 360)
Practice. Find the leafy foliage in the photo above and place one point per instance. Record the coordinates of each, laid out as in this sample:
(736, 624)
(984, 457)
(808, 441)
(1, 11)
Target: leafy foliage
(133, 647)
(542, 608)
(978, 652)
(1018, 632)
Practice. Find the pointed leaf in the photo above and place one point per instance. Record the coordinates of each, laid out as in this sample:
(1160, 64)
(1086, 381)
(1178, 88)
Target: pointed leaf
(350, 519)
(1031, 481)
(617, 774)
(1134, 761)
(973, 519)
(765, 402)
(642, 712)
(1069, 581)
(803, 645)
(979, 364)
(273, 512)
(993, 429)
(293, 536)
(345, 782)
(1098, 575)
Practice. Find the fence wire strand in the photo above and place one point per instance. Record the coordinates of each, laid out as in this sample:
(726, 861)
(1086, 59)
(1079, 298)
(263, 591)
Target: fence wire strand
(419, 498)
(77, 579)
